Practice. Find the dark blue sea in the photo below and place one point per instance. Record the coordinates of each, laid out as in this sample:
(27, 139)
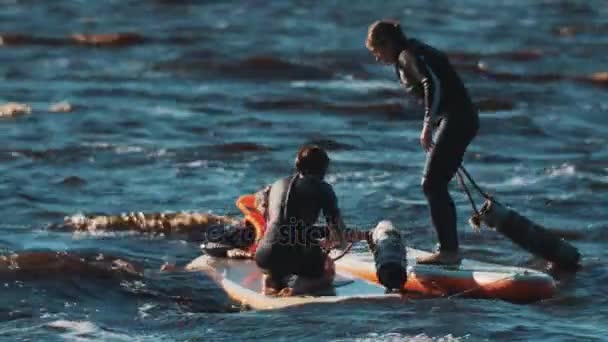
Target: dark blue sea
(201, 101)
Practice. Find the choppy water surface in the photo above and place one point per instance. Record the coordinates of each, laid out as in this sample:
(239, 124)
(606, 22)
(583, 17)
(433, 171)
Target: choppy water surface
(203, 101)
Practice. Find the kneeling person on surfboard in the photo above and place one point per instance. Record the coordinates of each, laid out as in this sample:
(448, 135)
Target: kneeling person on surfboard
(291, 245)
(427, 73)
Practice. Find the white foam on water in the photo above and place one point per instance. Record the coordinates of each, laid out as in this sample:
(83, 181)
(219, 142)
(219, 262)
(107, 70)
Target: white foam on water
(562, 170)
(143, 311)
(79, 327)
(92, 231)
(197, 164)
(75, 330)
(361, 86)
(98, 144)
(396, 337)
(358, 176)
(172, 112)
(515, 181)
(87, 331)
(405, 201)
(160, 153)
(77, 218)
(128, 149)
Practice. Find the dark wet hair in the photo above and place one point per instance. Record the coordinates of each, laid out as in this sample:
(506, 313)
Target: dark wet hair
(382, 31)
(312, 160)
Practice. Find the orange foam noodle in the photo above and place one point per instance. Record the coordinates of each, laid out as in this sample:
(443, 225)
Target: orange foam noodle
(246, 204)
(253, 217)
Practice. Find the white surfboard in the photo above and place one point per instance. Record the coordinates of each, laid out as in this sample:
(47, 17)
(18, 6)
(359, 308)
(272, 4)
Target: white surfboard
(242, 281)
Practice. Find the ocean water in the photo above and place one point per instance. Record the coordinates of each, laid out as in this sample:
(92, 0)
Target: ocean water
(208, 100)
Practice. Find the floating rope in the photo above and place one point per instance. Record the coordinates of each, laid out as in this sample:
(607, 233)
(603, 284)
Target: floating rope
(344, 252)
(475, 220)
(466, 173)
(467, 192)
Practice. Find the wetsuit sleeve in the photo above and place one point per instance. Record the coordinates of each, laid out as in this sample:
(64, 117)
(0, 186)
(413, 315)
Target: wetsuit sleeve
(417, 72)
(330, 206)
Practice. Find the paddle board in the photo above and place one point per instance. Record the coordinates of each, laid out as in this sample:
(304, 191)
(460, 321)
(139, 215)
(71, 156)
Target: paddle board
(242, 281)
(471, 279)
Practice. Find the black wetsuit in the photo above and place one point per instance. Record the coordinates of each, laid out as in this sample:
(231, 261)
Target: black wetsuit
(427, 74)
(290, 244)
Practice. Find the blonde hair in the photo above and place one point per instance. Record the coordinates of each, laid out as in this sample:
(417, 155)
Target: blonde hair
(382, 31)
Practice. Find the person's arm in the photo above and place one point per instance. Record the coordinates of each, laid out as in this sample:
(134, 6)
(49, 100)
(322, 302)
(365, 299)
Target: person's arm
(421, 75)
(335, 223)
(338, 233)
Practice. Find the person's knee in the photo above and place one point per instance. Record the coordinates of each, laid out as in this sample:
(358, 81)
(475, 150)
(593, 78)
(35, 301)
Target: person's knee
(426, 186)
(429, 186)
(433, 187)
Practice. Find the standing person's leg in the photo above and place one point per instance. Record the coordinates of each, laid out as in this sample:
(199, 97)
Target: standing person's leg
(441, 165)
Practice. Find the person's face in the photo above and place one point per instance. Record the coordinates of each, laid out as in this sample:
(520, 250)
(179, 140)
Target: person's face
(384, 54)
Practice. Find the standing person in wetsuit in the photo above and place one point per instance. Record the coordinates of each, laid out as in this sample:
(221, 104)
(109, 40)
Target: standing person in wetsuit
(427, 73)
(291, 245)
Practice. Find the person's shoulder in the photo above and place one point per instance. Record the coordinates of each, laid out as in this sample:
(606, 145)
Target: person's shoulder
(405, 57)
(416, 43)
(424, 49)
(326, 187)
(280, 182)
